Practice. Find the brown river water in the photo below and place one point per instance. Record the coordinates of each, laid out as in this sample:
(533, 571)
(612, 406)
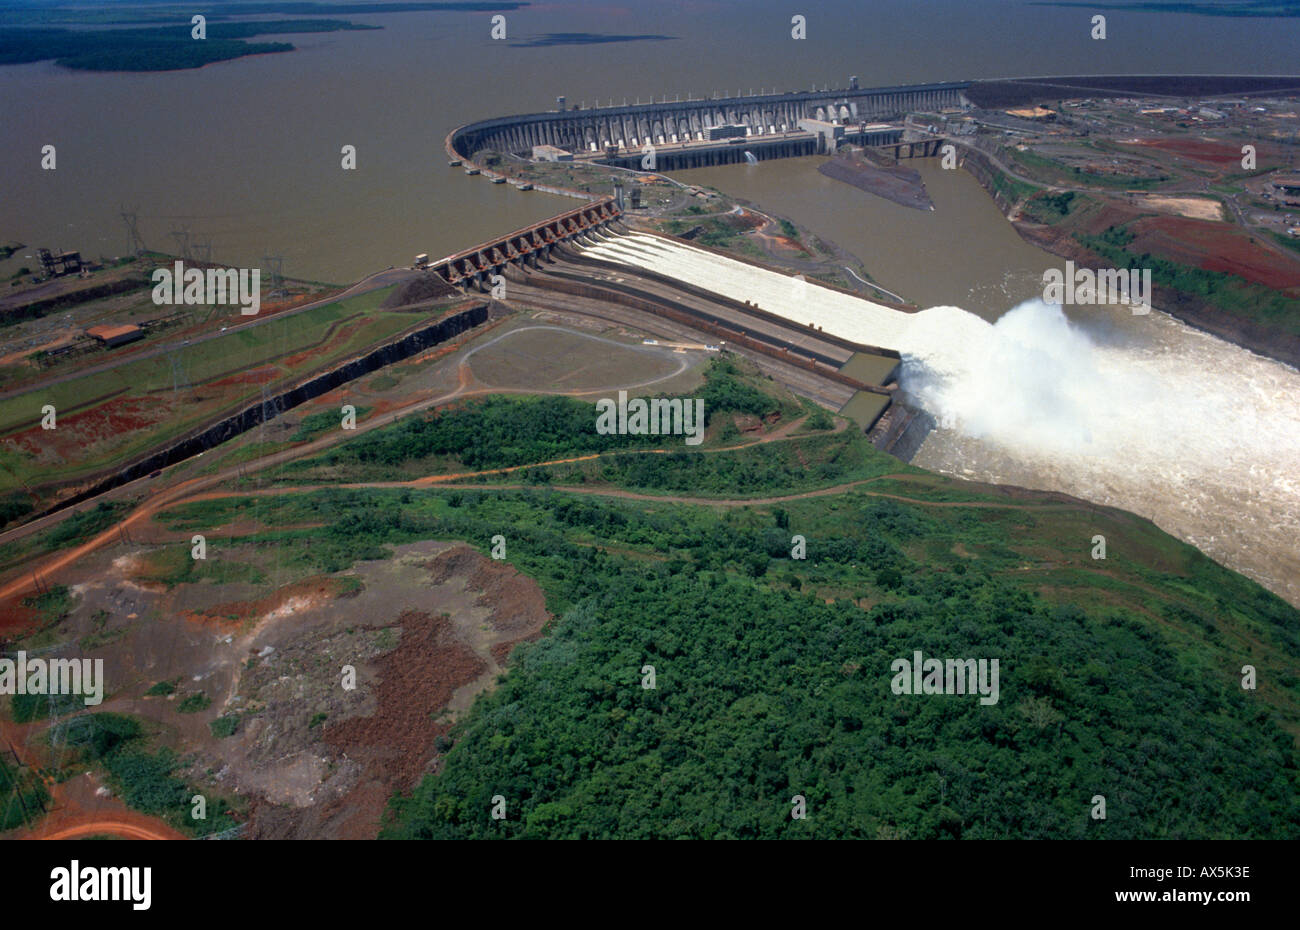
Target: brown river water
(246, 153)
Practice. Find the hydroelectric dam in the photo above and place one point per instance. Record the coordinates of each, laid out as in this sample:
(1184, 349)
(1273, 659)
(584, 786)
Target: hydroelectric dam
(824, 342)
(709, 131)
(1031, 400)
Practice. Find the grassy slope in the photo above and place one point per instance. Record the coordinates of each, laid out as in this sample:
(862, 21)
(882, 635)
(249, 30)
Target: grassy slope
(1257, 305)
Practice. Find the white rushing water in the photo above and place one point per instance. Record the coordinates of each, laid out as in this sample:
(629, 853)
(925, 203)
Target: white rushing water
(795, 299)
(1138, 412)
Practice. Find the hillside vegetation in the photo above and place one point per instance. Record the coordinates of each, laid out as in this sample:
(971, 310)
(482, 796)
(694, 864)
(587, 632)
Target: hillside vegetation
(1119, 677)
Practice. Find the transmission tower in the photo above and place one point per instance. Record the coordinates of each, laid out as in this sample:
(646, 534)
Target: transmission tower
(182, 237)
(179, 378)
(133, 231)
(274, 265)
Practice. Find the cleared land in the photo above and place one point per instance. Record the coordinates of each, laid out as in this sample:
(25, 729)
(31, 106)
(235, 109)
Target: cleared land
(111, 416)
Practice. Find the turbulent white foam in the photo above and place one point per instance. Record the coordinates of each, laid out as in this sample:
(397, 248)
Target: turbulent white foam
(1199, 435)
(1032, 374)
(1168, 422)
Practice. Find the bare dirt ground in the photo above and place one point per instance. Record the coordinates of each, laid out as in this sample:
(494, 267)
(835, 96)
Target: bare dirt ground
(543, 356)
(1198, 208)
(457, 616)
(1214, 247)
(1213, 153)
(81, 433)
(426, 632)
(81, 807)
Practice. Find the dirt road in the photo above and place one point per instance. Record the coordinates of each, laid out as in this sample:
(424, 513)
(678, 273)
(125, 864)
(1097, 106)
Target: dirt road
(122, 828)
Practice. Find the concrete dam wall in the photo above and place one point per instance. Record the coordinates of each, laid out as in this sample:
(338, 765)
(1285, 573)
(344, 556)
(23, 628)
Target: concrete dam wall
(578, 130)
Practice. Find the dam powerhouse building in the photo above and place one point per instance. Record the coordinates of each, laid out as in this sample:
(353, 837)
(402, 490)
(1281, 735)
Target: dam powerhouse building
(697, 133)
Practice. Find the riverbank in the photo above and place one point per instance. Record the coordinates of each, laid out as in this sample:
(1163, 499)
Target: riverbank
(1011, 196)
(1188, 308)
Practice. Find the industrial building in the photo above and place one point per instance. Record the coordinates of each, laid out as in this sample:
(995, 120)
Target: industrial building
(59, 263)
(725, 131)
(116, 335)
(551, 153)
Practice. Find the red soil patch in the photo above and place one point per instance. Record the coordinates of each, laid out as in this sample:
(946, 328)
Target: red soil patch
(518, 606)
(339, 335)
(307, 592)
(17, 620)
(789, 244)
(1213, 153)
(78, 813)
(416, 680)
(279, 306)
(74, 809)
(1214, 247)
(263, 375)
(76, 431)
(1198, 243)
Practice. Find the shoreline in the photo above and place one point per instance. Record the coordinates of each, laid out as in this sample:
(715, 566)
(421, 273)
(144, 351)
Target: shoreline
(1185, 308)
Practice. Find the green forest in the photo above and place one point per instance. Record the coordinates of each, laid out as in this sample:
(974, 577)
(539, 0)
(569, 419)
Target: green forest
(164, 48)
(1120, 677)
(507, 432)
(144, 777)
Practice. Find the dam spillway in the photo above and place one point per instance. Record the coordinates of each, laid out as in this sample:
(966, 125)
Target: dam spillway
(1109, 407)
(801, 306)
(805, 303)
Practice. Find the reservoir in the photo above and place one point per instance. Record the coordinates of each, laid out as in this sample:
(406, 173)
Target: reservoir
(244, 155)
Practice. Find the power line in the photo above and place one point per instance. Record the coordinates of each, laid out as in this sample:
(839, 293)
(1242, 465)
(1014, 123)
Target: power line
(182, 237)
(274, 265)
(130, 218)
